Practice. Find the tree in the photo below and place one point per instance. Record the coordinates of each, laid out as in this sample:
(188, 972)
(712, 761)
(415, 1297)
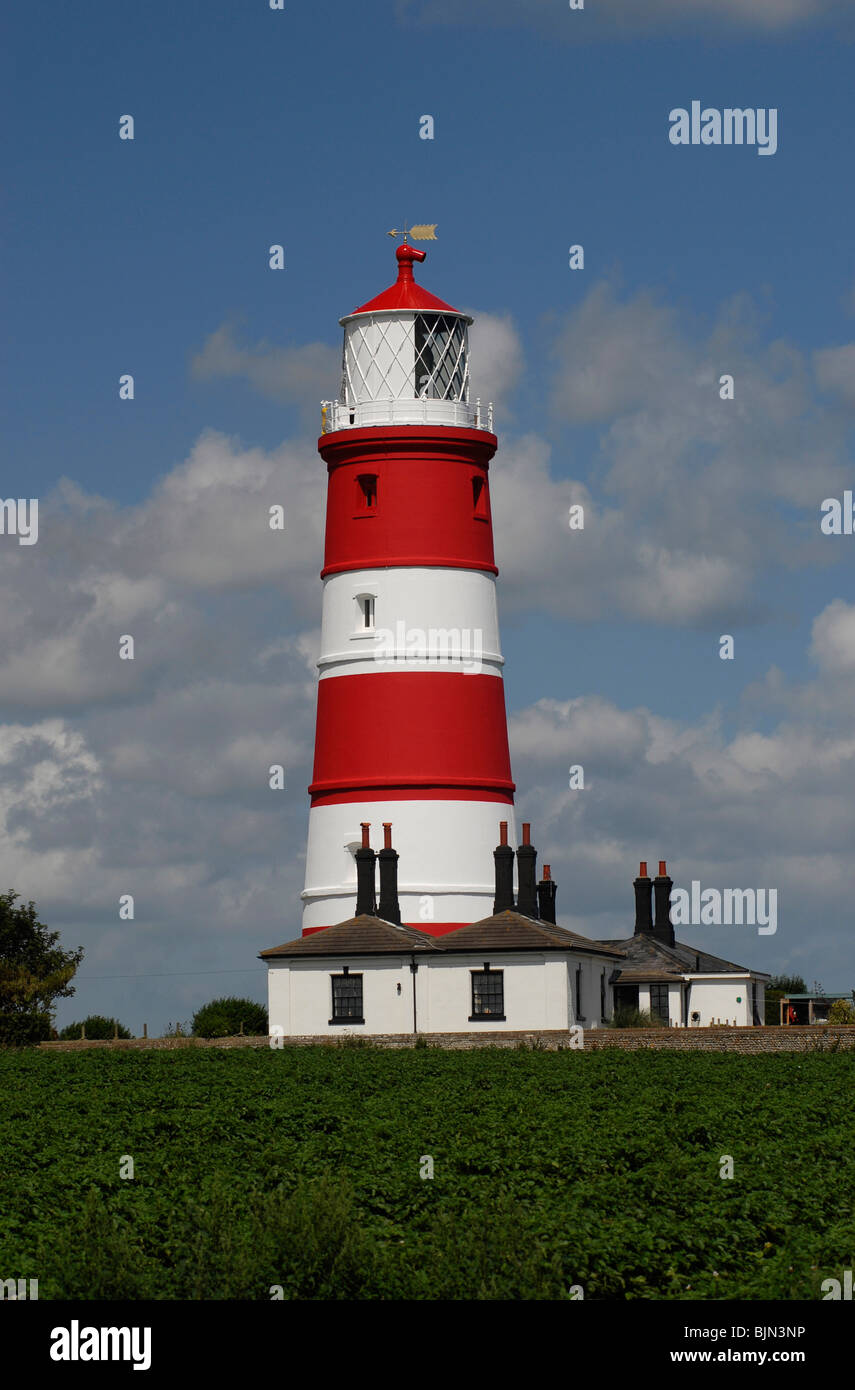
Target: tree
(34, 972)
(222, 1018)
(781, 987)
(95, 1026)
(841, 1011)
(788, 984)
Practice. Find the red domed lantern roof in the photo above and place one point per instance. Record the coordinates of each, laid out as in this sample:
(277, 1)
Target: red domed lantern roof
(405, 293)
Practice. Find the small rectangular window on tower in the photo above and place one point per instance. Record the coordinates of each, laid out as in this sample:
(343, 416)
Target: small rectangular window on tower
(479, 497)
(366, 492)
(365, 603)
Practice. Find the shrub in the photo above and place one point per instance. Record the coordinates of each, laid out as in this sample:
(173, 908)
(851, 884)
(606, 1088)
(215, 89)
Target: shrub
(841, 1011)
(96, 1027)
(178, 1030)
(222, 1018)
(634, 1018)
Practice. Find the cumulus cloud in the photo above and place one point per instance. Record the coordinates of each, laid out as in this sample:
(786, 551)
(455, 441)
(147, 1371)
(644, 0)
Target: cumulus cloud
(835, 371)
(683, 498)
(301, 376)
(833, 639)
(496, 358)
(762, 809)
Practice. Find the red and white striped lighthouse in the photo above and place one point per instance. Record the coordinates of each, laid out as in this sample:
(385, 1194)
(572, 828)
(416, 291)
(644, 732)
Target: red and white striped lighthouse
(411, 724)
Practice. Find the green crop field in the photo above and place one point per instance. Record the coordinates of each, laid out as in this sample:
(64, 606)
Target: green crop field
(300, 1168)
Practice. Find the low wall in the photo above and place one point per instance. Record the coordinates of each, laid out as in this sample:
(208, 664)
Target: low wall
(822, 1038)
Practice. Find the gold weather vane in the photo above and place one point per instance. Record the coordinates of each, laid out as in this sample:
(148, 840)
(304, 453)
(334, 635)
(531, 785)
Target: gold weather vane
(422, 231)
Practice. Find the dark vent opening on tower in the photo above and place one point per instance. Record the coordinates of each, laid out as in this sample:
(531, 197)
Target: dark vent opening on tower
(367, 494)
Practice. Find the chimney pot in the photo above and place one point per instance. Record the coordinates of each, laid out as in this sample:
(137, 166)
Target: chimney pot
(643, 901)
(527, 875)
(366, 828)
(663, 930)
(503, 857)
(388, 907)
(546, 890)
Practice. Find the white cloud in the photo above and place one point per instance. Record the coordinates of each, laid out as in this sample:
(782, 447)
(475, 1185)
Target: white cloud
(767, 809)
(496, 358)
(302, 376)
(835, 371)
(683, 500)
(833, 639)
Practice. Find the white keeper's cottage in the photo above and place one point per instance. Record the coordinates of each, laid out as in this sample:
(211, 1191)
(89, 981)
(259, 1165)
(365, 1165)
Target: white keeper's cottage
(514, 971)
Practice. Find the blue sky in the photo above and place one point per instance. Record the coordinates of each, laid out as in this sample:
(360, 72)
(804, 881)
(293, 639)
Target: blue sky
(551, 128)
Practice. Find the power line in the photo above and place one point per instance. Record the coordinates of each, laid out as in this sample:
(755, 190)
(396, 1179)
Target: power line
(167, 975)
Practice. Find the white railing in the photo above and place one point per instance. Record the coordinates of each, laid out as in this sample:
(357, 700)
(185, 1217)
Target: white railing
(338, 415)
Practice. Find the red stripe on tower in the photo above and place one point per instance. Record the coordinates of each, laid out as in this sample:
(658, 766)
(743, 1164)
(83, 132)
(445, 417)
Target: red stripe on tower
(411, 721)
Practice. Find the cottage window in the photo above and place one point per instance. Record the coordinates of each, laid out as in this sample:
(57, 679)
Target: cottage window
(488, 994)
(346, 998)
(659, 1003)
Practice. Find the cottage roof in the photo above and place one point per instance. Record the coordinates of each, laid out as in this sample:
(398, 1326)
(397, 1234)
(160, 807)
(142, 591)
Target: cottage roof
(358, 936)
(511, 931)
(648, 958)
(504, 931)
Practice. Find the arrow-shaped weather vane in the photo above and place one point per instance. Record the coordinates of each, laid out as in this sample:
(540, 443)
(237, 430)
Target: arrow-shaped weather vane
(422, 231)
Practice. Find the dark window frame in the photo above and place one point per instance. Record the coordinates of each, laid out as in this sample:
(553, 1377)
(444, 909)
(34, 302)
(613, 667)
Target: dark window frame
(662, 993)
(477, 991)
(338, 1018)
(580, 1017)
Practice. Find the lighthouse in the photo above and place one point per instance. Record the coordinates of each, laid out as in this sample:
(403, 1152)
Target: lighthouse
(411, 725)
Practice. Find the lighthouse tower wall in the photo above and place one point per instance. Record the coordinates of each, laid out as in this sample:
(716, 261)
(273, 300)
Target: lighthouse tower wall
(411, 723)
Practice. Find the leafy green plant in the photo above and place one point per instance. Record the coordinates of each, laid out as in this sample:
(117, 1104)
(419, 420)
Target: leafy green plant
(224, 1018)
(300, 1170)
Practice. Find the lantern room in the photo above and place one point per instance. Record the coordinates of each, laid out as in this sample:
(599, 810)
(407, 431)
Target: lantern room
(405, 360)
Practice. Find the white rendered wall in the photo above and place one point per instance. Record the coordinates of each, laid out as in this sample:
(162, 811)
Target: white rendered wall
(300, 996)
(409, 601)
(593, 970)
(535, 988)
(441, 845)
(714, 997)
